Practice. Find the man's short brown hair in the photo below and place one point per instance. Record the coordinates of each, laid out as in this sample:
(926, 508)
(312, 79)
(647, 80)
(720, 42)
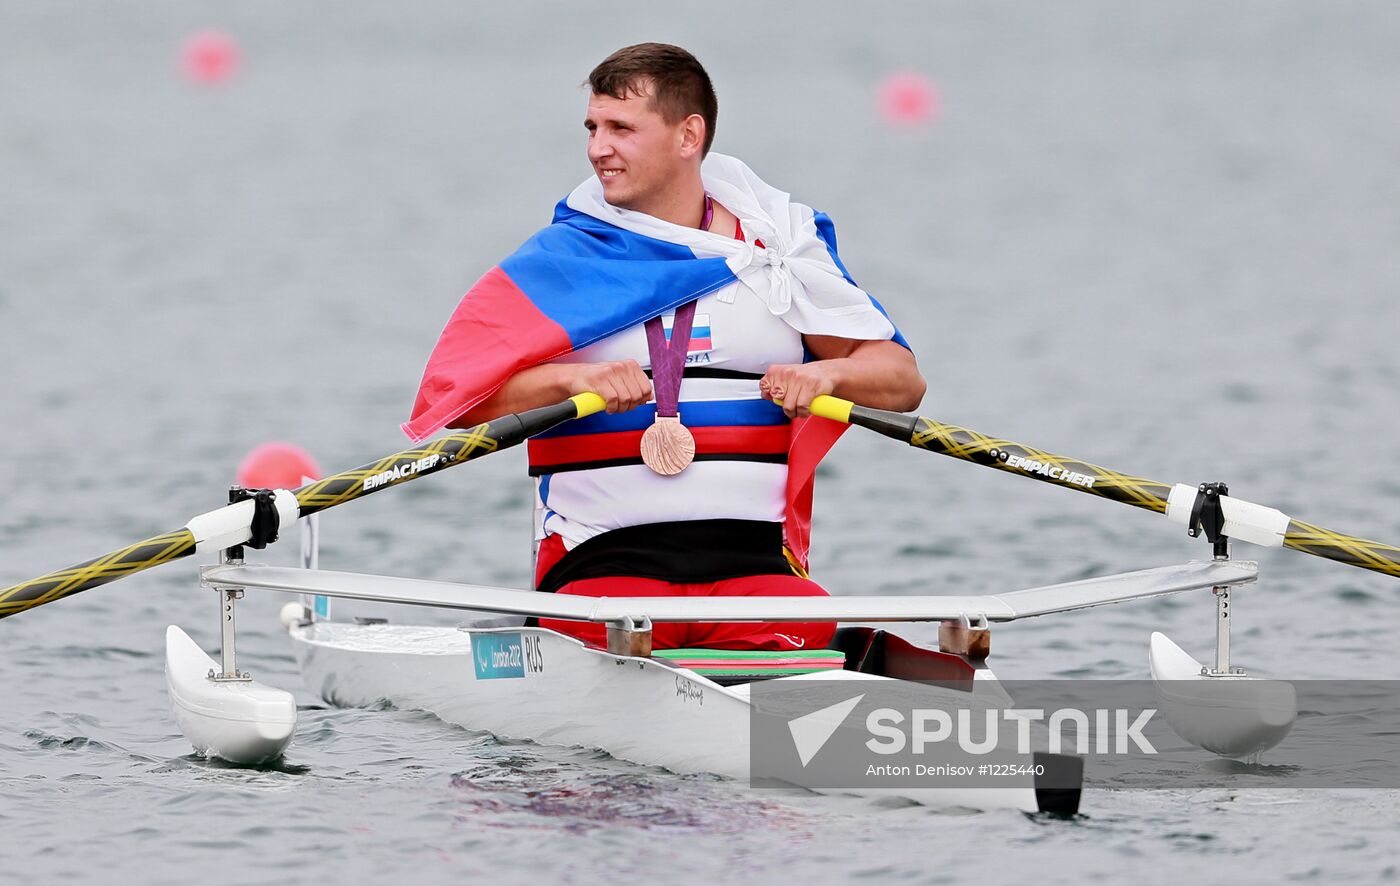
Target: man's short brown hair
(676, 80)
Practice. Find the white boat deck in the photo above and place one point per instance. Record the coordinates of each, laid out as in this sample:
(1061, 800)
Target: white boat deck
(1003, 607)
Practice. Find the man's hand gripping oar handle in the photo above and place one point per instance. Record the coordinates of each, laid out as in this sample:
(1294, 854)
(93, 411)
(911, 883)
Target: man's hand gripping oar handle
(231, 525)
(1243, 520)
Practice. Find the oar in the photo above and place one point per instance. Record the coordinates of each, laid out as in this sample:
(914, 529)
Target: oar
(232, 525)
(1243, 520)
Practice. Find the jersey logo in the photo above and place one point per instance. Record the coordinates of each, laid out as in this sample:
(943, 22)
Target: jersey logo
(701, 340)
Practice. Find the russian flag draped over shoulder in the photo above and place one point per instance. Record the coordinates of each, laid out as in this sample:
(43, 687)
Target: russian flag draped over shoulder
(573, 283)
(598, 270)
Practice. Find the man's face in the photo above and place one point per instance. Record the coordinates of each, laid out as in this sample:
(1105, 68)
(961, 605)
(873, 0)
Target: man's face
(635, 153)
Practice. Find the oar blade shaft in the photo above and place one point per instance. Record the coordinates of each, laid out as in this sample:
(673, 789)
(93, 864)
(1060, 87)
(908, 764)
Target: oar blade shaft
(98, 571)
(1325, 543)
(1082, 476)
(1037, 464)
(337, 489)
(1006, 455)
(439, 454)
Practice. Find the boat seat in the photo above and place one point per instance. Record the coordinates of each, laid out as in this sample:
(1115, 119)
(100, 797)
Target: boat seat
(874, 651)
(730, 666)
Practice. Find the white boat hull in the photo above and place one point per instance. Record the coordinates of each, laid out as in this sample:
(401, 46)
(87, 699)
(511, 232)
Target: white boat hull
(564, 693)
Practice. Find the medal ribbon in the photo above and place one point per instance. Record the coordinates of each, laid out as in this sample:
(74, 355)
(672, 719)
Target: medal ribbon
(668, 359)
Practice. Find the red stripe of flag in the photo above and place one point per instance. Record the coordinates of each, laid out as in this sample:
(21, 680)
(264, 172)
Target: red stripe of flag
(765, 440)
(495, 332)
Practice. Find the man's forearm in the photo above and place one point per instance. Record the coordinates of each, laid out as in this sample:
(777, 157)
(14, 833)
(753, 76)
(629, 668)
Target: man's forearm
(878, 381)
(621, 383)
(537, 386)
(881, 374)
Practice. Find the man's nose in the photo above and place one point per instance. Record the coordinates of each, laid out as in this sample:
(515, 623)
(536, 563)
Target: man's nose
(598, 148)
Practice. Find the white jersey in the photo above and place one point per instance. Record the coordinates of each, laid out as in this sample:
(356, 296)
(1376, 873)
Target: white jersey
(590, 477)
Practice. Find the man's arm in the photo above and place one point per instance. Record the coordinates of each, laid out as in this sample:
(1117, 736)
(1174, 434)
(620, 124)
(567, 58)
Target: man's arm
(880, 374)
(622, 384)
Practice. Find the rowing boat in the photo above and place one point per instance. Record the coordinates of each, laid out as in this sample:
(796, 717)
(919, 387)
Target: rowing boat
(642, 709)
(531, 683)
(680, 710)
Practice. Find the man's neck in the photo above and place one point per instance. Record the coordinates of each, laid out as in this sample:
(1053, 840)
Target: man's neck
(683, 206)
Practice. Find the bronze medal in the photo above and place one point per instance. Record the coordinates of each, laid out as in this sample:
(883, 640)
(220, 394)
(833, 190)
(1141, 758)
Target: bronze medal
(668, 447)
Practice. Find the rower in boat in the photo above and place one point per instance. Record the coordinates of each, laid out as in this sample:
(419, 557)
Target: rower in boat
(671, 262)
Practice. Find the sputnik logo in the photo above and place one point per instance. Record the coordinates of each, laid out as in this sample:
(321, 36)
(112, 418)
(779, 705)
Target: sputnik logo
(811, 732)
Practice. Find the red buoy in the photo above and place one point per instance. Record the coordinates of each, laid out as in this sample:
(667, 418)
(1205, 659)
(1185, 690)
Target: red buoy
(210, 57)
(277, 466)
(908, 99)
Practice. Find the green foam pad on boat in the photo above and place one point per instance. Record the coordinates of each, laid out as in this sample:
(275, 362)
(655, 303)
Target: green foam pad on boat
(736, 663)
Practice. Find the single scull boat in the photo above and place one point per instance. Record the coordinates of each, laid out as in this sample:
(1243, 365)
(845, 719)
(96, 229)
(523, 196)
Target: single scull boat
(676, 709)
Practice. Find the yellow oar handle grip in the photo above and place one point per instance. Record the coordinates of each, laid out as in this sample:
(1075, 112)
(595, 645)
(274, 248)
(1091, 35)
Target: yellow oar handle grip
(827, 406)
(588, 403)
(833, 408)
(824, 405)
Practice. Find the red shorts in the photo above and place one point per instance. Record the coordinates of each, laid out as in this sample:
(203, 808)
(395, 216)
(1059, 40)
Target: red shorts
(688, 635)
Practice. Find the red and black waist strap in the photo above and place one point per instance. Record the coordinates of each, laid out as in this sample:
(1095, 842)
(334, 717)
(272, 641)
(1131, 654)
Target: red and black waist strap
(681, 552)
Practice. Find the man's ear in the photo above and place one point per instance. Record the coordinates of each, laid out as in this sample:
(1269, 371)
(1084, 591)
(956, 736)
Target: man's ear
(692, 136)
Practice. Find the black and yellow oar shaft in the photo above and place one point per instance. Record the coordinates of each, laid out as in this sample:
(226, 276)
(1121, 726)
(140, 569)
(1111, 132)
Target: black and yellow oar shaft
(232, 525)
(1243, 520)
(98, 571)
(440, 453)
(994, 452)
(1347, 549)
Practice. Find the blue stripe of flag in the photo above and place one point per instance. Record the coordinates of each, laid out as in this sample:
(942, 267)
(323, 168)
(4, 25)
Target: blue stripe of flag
(593, 278)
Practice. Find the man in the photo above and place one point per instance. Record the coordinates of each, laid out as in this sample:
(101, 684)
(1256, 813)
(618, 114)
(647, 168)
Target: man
(690, 267)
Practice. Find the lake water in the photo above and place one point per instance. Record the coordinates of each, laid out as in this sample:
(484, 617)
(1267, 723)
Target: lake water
(1159, 238)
